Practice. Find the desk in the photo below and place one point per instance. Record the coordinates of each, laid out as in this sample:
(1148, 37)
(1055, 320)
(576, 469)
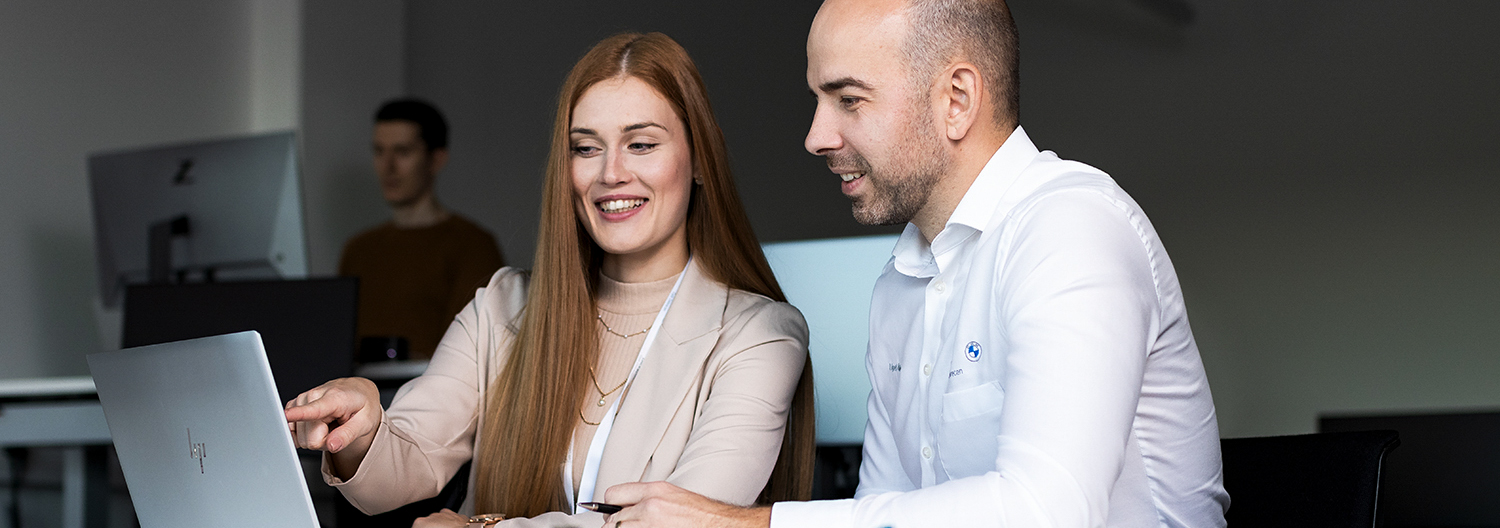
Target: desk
(397, 372)
(62, 412)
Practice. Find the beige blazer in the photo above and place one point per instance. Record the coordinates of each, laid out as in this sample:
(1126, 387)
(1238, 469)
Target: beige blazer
(706, 412)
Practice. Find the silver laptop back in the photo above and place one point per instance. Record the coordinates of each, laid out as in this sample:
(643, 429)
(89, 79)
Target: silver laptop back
(201, 435)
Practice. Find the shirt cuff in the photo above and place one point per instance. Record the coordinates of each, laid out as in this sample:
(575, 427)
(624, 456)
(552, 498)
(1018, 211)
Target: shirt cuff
(816, 514)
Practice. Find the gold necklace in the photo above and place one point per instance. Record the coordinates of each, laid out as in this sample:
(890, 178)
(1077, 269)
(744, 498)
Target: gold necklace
(603, 395)
(586, 420)
(612, 331)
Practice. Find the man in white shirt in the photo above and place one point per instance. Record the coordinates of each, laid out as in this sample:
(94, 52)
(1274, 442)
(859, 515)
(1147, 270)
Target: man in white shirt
(1030, 354)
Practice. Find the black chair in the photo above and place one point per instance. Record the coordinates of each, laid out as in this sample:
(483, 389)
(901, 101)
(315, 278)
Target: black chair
(1447, 472)
(836, 471)
(1325, 480)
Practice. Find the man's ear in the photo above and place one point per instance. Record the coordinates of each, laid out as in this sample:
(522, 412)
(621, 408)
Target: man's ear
(439, 159)
(962, 90)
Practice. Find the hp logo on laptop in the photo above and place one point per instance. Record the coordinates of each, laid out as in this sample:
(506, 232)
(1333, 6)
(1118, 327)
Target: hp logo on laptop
(198, 451)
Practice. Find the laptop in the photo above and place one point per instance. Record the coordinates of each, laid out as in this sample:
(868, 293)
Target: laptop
(201, 435)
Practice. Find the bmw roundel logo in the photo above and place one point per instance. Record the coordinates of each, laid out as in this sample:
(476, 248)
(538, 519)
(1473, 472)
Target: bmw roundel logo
(972, 351)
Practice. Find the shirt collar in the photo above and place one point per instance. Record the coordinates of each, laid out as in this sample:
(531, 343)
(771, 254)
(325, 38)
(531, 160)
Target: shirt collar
(914, 257)
(979, 203)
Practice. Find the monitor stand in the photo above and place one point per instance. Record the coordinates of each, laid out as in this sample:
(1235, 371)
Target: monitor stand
(160, 244)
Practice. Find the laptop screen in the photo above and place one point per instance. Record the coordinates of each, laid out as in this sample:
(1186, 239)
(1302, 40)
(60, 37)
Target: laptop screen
(200, 435)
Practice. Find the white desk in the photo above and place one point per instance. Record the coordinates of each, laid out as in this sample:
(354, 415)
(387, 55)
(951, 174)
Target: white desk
(397, 371)
(389, 376)
(34, 388)
(64, 412)
(61, 412)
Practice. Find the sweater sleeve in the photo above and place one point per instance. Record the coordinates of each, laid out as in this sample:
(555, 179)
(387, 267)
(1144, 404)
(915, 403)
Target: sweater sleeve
(428, 432)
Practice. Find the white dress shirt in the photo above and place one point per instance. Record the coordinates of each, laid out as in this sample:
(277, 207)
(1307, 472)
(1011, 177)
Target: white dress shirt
(1032, 367)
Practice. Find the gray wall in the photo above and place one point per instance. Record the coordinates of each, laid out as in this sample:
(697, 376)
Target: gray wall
(495, 69)
(352, 59)
(81, 77)
(1321, 172)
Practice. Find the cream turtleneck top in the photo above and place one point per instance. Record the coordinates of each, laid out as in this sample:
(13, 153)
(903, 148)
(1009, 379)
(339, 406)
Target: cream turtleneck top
(628, 309)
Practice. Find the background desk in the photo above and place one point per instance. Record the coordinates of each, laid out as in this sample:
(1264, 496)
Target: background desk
(389, 376)
(65, 413)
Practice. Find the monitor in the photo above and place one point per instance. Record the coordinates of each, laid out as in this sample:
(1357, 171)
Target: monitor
(307, 325)
(221, 209)
(830, 281)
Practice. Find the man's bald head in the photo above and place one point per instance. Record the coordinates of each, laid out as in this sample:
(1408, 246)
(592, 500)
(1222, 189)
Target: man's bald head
(934, 34)
(941, 32)
(914, 96)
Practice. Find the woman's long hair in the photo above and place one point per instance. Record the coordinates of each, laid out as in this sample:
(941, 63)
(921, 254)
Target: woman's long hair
(531, 402)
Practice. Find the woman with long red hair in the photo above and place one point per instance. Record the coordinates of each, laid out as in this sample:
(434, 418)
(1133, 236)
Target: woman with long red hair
(650, 342)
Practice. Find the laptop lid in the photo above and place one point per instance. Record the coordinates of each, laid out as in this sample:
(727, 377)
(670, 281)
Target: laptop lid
(201, 435)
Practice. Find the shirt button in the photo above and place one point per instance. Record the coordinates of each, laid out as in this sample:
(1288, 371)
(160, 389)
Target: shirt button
(926, 452)
(927, 369)
(939, 287)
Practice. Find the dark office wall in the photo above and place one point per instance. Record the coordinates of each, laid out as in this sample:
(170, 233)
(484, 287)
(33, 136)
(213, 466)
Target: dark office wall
(351, 61)
(496, 68)
(1323, 173)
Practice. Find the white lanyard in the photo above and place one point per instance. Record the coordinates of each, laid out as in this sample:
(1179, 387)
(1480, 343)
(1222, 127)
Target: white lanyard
(590, 477)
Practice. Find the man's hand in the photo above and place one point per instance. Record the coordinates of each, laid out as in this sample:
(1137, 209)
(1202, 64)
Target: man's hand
(662, 505)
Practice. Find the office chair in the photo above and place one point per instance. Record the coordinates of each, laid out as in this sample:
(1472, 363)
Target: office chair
(1447, 472)
(1325, 480)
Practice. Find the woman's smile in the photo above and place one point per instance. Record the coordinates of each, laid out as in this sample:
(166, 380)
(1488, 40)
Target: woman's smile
(617, 209)
(632, 171)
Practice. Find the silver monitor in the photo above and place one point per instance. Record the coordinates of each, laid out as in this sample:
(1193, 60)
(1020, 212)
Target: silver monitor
(221, 209)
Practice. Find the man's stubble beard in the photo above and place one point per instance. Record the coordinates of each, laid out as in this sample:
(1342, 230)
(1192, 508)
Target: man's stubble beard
(412, 197)
(895, 194)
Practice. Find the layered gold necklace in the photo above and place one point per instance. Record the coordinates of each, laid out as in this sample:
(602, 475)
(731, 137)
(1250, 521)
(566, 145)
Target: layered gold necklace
(594, 377)
(603, 395)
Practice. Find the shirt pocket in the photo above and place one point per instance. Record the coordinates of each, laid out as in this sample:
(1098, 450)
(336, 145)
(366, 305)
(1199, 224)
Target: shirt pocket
(969, 440)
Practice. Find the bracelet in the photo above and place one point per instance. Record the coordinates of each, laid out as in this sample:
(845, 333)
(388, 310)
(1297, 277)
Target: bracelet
(485, 521)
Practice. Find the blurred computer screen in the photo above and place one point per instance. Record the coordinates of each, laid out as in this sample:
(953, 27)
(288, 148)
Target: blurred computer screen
(233, 208)
(830, 281)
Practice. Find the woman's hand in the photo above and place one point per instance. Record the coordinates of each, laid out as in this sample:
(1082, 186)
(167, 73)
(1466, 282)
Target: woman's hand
(445, 518)
(340, 417)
